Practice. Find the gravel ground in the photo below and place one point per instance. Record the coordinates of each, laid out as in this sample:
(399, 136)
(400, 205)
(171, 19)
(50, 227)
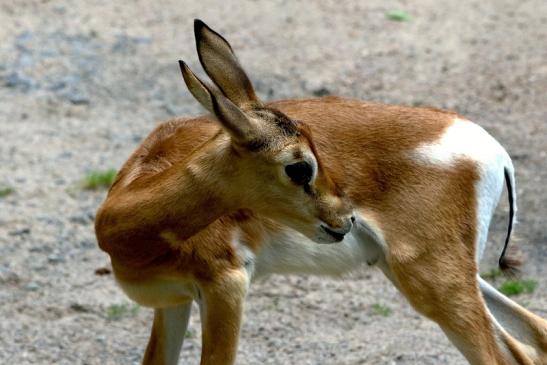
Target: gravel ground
(82, 83)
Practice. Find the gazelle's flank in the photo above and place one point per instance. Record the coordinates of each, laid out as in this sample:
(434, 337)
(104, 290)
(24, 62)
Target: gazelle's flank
(205, 205)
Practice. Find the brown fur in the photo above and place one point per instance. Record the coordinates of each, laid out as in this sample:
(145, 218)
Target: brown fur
(364, 145)
(378, 169)
(170, 218)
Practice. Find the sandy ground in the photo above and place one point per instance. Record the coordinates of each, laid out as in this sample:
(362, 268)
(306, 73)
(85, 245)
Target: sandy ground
(81, 83)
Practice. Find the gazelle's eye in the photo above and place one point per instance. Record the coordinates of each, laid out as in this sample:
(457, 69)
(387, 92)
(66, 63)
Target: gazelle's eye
(300, 173)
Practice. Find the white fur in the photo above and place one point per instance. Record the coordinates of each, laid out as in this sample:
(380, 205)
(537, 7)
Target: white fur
(289, 252)
(510, 318)
(466, 140)
(175, 322)
(245, 254)
(160, 293)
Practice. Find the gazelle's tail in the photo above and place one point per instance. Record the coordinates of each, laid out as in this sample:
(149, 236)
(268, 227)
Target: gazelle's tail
(507, 263)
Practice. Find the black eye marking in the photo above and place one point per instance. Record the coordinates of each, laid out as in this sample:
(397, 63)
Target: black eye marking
(300, 173)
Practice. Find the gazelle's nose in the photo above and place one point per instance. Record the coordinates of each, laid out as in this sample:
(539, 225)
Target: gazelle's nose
(339, 232)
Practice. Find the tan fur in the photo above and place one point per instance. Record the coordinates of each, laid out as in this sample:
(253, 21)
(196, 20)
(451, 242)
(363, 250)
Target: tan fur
(154, 350)
(170, 219)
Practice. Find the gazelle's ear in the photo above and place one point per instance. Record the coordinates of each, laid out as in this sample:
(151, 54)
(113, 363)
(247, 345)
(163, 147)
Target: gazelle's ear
(220, 63)
(233, 119)
(242, 129)
(199, 90)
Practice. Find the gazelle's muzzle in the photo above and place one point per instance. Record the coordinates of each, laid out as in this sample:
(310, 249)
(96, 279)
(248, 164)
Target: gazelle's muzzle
(331, 234)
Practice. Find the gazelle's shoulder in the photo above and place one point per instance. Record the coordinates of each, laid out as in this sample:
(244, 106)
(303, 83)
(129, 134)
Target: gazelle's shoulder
(171, 141)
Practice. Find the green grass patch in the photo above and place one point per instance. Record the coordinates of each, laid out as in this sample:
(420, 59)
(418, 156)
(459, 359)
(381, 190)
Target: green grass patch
(399, 16)
(99, 179)
(516, 287)
(115, 312)
(492, 274)
(381, 310)
(6, 190)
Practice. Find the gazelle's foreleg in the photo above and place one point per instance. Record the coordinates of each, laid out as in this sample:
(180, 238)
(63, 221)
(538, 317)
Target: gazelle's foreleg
(167, 335)
(221, 307)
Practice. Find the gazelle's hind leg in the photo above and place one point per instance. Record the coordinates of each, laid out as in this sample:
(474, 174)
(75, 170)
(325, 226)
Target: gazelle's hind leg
(167, 335)
(221, 307)
(443, 287)
(528, 329)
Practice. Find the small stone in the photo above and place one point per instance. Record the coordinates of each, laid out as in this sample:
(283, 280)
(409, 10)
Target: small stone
(61, 10)
(54, 259)
(32, 286)
(14, 80)
(20, 232)
(78, 99)
(79, 308)
(322, 91)
(81, 218)
(88, 244)
(7, 276)
(103, 271)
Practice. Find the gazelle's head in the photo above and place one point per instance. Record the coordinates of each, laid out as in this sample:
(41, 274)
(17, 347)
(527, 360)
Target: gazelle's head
(276, 169)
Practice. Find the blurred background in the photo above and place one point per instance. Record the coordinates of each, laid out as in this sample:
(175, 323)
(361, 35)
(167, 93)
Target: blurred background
(83, 82)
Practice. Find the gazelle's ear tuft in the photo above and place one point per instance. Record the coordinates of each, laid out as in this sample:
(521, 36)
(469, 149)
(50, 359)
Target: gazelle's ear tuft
(219, 61)
(197, 87)
(233, 119)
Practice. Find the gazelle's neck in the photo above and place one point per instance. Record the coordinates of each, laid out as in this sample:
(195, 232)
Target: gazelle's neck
(200, 191)
(182, 199)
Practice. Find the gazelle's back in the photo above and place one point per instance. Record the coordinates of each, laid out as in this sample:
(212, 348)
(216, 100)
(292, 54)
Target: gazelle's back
(373, 149)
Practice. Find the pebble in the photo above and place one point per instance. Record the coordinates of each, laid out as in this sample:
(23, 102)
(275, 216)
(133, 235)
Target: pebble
(20, 232)
(82, 218)
(15, 80)
(54, 259)
(7, 276)
(32, 286)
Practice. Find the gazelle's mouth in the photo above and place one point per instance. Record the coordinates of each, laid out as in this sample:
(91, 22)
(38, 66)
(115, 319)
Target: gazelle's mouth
(337, 236)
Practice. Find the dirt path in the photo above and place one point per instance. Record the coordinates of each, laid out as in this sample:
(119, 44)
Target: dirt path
(81, 83)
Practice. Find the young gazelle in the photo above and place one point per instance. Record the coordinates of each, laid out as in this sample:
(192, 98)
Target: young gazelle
(204, 205)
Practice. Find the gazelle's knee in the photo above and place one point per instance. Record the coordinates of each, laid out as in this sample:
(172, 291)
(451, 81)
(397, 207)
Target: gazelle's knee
(232, 286)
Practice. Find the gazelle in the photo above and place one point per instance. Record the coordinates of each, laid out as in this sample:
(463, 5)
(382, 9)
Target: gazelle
(205, 205)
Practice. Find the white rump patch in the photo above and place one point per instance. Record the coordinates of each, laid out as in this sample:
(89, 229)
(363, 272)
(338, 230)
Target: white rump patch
(465, 140)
